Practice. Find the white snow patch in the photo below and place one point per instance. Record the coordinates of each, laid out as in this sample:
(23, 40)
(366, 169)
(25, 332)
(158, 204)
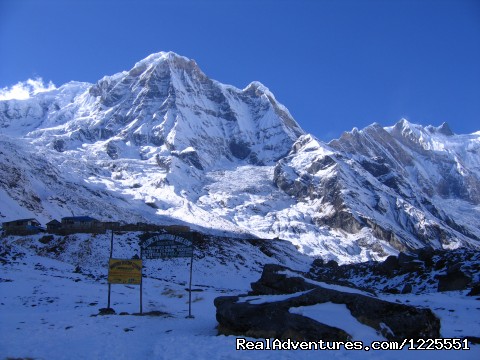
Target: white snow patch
(338, 315)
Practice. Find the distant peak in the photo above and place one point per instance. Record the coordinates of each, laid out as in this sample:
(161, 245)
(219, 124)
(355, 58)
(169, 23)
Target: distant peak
(403, 123)
(162, 56)
(374, 126)
(259, 89)
(406, 127)
(445, 129)
(165, 60)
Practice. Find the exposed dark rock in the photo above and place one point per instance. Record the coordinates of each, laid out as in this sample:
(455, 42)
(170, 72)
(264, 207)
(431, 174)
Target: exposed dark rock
(475, 290)
(239, 149)
(408, 263)
(164, 162)
(407, 289)
(454, 268)
(273, 282)
(440, 264)
(404, 258)
(321, 163)
(106, 311)
(390, 290)
(46, 239)
(270, 320)
(253, 159)
(389, 265)
(426, 255)
(59, 145)
(332, 264)
(342, 219)
(375, 168)
(442, 129)
(192, 158)
(238, 316)
(414, 266)
(452, 281)
(112, 150)
(318, 262)
(419, 269)
(473, 339)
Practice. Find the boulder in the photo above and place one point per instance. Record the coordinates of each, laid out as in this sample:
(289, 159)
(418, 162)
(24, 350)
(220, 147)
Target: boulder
(475, 290)
(106, 311)
(453, 268)
(408, 263)
(270, 318)
(407, 289)
(404, 258)
(452, 281)
(273, 281)
(426, 254)
(389, 265)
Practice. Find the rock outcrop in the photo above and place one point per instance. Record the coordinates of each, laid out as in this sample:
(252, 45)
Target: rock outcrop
(270, 317)
(426, 270)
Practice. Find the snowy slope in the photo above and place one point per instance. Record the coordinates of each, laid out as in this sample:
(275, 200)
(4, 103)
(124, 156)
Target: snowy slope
(49, 308)
(162, 143)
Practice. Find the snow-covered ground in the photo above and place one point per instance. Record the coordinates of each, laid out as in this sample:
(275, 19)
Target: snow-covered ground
(48, 311)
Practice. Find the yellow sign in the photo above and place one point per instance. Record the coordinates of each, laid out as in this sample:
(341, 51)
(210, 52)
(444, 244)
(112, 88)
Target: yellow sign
(122, 271)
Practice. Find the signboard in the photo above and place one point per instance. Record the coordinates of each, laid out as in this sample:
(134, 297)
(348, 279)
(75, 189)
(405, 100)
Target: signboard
(121, 271)
(161, 246)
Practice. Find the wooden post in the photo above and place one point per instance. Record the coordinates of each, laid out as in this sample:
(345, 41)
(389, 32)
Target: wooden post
(111, 245)
(109, 292)
(141, 282)
(190, 316)
(110, 285)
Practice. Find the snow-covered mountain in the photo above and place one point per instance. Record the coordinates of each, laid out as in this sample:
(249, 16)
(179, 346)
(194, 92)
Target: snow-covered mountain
(409, 185)
(163, 143)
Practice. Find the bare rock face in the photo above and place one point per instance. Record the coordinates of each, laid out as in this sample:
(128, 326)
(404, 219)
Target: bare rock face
(270, 320)
(456, 280)
(475, 290)
(273, 282)
(424, 271)
(245, 315)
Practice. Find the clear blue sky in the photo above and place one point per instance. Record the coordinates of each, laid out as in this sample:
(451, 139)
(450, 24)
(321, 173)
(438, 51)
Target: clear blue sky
(335, 64)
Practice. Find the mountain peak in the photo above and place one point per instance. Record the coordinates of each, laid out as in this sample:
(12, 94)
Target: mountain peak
(165, 62)
(403, 124)
(166, 103)
(443, 129)
(162, 56)
(258, 88)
